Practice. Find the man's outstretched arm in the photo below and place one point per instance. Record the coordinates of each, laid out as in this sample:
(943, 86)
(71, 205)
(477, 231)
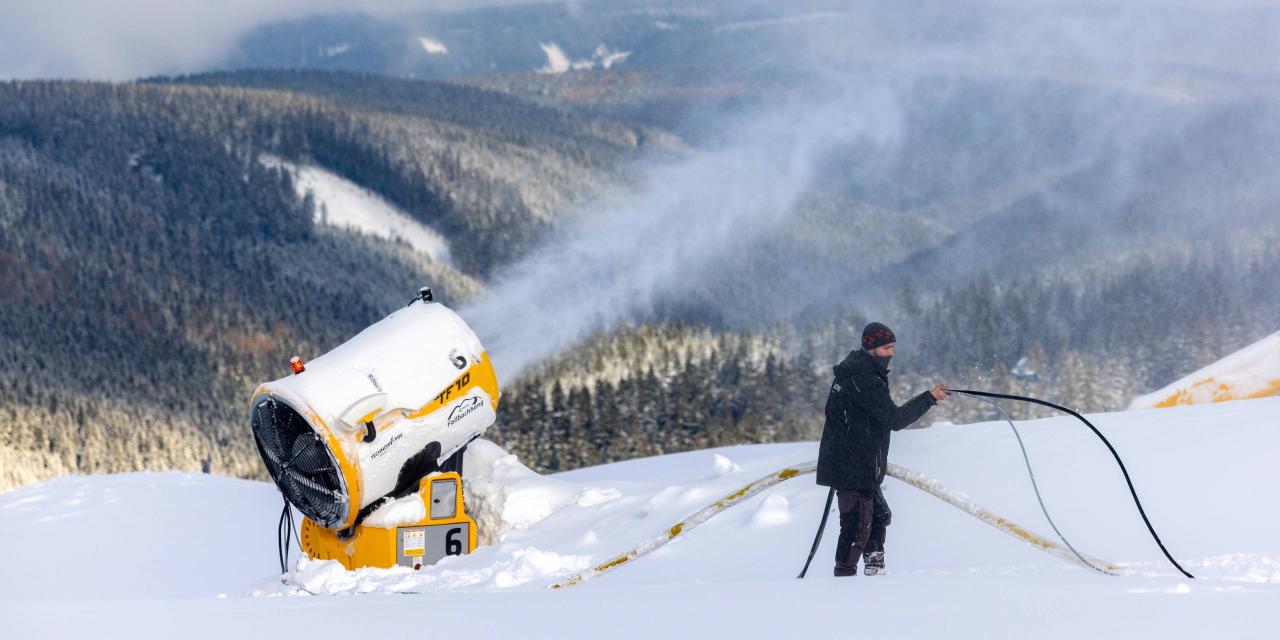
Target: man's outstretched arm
(874, 397)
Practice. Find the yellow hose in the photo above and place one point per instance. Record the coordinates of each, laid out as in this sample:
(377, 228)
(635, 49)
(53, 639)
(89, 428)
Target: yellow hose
(913, 478)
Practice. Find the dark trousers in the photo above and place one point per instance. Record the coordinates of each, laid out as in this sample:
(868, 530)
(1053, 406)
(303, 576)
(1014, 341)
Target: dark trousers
(864, 516)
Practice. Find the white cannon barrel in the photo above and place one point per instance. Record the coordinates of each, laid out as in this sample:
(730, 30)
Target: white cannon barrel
(376, 414)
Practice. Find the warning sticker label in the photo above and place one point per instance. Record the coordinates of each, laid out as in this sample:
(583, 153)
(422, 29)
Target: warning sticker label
(415, 542)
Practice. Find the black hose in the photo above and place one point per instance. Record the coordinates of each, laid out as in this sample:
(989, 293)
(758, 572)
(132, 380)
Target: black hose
(284, 533)
(1133, 492)
(826, 511)
(1035, 486)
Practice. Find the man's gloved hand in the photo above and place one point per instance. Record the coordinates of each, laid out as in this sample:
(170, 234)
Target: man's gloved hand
(940, 392)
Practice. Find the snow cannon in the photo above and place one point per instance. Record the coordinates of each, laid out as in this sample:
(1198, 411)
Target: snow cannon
(366, 441)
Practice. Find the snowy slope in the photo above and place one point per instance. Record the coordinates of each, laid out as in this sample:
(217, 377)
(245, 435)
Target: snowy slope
(559, 62)
(432, 46)
(147, 555)
(1252, 372)
(133, 536)
(345, 204)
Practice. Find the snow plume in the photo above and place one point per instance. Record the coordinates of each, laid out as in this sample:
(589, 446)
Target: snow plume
(626, 257)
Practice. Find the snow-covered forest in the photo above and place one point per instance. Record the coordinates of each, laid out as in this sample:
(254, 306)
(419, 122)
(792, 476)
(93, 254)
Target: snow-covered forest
(143, 309)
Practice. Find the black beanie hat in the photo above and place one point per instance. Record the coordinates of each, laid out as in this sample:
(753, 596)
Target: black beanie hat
(876, 335)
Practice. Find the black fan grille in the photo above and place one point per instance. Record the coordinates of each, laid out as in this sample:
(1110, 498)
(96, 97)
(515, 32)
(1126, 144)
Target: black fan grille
(299, 462)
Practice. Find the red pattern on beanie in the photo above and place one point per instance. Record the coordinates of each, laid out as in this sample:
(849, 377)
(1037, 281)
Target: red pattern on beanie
(876, 335)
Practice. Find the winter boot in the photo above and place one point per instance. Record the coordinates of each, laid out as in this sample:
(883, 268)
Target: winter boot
(873, 564)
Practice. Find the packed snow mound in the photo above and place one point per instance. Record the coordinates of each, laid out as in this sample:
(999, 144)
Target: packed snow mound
(1252, 372)
(502, 494)
(346, 205)
(517, 566)
(159, 555)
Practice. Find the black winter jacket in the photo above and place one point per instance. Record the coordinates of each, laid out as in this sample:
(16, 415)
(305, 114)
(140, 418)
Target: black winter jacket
(860, 415)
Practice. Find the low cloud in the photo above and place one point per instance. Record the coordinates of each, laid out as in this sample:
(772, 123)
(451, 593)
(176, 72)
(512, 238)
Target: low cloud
(122, 40)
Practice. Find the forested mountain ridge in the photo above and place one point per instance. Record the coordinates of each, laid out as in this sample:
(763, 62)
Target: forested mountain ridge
(492, 171)
(453, 102)
(153, 269)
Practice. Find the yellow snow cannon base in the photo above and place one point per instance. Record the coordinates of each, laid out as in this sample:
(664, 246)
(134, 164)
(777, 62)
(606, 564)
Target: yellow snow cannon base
(446, 531)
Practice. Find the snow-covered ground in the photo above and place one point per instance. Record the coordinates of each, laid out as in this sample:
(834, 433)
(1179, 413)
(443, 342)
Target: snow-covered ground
(432, 46)
(559, 62)
(1252, 372)
(335, 50)
(345, 204)
(164, 555)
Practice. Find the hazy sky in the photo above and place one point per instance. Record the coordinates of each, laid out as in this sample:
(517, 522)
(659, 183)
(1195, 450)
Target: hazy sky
(124, 39)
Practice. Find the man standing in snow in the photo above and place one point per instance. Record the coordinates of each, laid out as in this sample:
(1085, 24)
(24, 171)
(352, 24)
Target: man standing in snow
(854, 453)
